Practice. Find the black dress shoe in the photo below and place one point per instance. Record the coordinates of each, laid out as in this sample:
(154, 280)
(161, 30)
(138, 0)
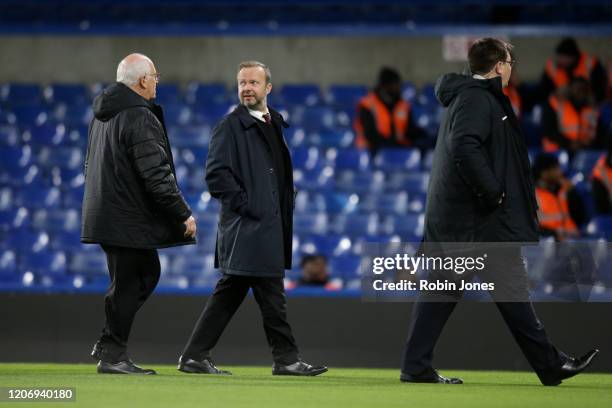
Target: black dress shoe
(429, 376)
(299, 368)
(122, 367)
(571, 367)
(206, 366)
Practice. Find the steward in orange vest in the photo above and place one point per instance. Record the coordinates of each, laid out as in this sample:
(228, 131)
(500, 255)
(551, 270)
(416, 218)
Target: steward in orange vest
(570, 63)
(515, 98)
(560, 208)
(570, 122)
(383, 118)
(602, 184)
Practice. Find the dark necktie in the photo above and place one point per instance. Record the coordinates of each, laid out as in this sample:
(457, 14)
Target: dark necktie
(267, 118)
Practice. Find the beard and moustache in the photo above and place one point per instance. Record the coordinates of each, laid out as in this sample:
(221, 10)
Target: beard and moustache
(253, 103)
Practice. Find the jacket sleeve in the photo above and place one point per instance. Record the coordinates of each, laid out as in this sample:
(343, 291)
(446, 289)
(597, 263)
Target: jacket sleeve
(550, 127)
(145, 147)
(221, 178)
(471, 129)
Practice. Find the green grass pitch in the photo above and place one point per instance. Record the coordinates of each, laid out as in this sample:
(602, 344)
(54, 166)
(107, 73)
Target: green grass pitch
(340, 387)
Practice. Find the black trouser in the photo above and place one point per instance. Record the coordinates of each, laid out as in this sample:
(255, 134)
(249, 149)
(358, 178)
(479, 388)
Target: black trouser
(429, 317)
(134, 274)
(223, 303)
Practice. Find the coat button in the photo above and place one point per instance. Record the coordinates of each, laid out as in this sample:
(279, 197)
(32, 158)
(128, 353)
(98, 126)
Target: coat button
(271, 170)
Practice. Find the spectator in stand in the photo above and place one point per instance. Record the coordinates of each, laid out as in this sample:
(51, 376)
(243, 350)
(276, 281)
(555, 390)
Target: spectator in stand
(315, 273)
(570, 120)
(561, 210)
(383, 118)
(569, 63)
(602, 182)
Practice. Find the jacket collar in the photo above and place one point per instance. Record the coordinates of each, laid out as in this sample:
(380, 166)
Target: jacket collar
(247, 120)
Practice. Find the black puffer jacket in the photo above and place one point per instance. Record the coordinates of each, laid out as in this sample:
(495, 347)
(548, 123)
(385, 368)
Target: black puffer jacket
(131, 195)
(480, 154)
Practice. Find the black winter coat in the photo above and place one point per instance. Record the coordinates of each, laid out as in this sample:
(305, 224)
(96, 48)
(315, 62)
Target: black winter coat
(254, 236)
(480, 154)
(131, 195)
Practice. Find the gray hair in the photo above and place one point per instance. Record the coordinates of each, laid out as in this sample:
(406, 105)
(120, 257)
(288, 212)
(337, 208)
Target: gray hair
(253, 64)
(132, 68)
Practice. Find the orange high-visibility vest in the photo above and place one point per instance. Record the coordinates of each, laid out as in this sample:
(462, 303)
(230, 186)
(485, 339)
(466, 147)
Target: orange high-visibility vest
(384, 119)
(553, 211)
(603, 173)
(515, 99)
(583, 69)
(573, 125)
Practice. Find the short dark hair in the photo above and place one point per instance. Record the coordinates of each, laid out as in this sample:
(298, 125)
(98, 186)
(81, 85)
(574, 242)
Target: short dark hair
(311, 258)
(256, 64)
(388, 76)
(568, 46)
(486, 52)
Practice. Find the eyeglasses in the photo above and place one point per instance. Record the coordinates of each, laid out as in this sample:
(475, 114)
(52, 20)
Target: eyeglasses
(511, 62)
(155, 75)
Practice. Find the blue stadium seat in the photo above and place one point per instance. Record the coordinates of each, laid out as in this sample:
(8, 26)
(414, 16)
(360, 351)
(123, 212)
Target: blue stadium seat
(349, 159)
(327, 245)
(88, 263)
(69, 94)
(355, 224)
(48, 134)
(28, 241)
(19, 94)
(211, 115)
(398, 159)
(427, 162)
(413, 182)
(7, 198)
(315, 179)
(75, 115)
(337, 138)
(8, 263)
(302, 94)
(314, 118)
(295, 136)
(9, 135)
(360, 182)
(73, 197)
(427, 96)
(167, 95)
(190, 266)
(64, 157)
(600, 227)
(585, 160)
(344, 203)
(346, 266)
(409, 227)
(195, 182)
(306, 158)
(30, 115)
(177, 114)
(388, 203)
(205, 94)
(409, 91)
(189, 136)
(70, 242)
(16, 218)
(346, 95)
(194, 156)
(13, 158)
(67, 178)
(56, 220)
(37, 196)
(307, 224)
(21, 176)
(44, 263)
